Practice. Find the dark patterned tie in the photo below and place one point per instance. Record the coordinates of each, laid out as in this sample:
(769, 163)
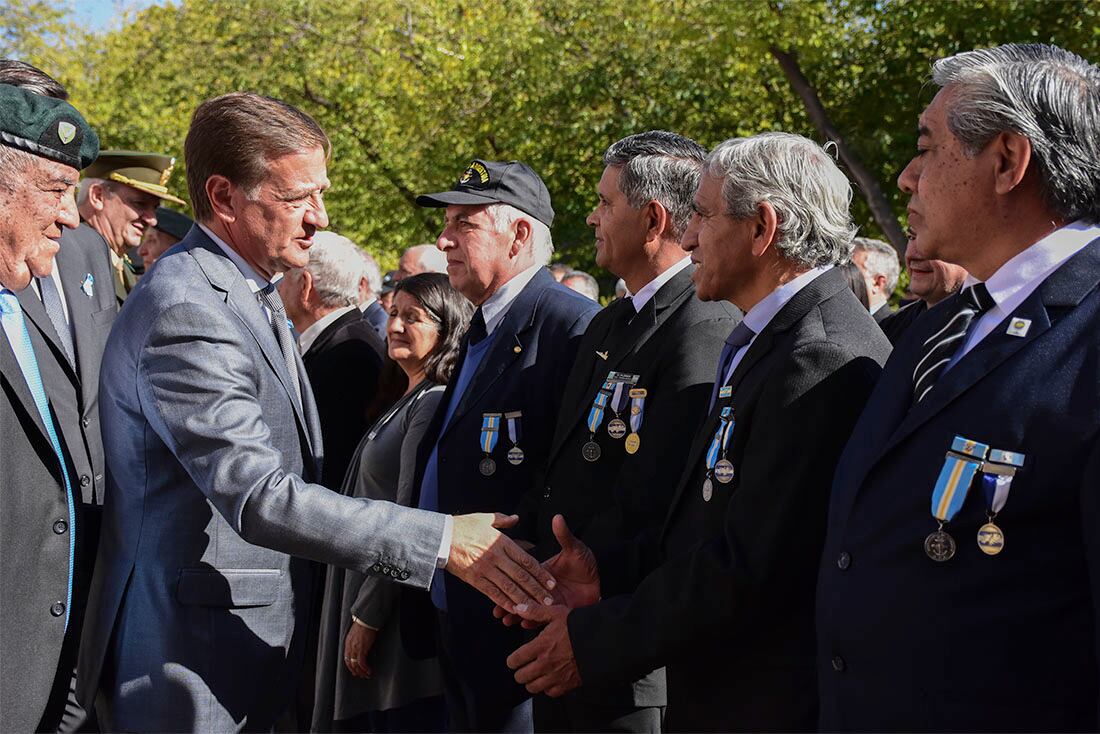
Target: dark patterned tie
(51, 299)
(270, 297)
(739, 337)
(939, 348)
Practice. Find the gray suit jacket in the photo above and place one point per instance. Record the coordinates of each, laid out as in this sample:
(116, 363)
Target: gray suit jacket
(198, 607)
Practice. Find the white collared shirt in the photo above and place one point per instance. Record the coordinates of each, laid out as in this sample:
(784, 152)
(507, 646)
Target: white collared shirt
(1019, 277)
(760, 315)
(647, 291)
(496, 306)
(364, 306)
(256, 282)
(307, 337)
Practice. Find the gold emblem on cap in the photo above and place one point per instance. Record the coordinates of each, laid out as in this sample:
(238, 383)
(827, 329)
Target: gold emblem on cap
(167, 172)
(475, 168)
(66, 131)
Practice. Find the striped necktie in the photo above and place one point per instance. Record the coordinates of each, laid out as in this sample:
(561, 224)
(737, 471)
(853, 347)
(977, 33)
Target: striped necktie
(939, 348)
(269, 297)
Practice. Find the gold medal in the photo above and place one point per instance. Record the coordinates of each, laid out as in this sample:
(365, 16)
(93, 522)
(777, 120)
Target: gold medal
(591, 451)
(990, 539)
(939, 546)
(633, 443)
(616, 428)
(723, 471)
(487, 467)
(515, 456)
(708, 489)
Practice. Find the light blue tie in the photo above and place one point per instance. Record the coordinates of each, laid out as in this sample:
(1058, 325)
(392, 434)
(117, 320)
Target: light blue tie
(11, 315)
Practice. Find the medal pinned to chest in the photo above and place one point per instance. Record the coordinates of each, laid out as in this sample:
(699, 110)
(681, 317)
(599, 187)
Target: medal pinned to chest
(620, 396)
(961, 464)
(515, 454)
(719, 468)
(591, 450)
(490, 432)
(637, 411)
(998, 472)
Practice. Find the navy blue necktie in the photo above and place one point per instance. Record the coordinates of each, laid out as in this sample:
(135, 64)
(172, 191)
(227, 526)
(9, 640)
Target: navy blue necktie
(477, 330)
(739, 337)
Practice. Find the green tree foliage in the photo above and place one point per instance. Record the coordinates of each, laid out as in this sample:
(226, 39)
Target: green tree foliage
(411, 90)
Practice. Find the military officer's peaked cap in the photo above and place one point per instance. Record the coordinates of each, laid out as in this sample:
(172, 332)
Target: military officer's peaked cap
(148, 172)
(47, 127)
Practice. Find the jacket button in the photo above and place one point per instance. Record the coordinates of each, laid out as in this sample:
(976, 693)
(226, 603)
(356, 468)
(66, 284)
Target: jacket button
(376, 568)
(404, 575)
(838, 664)
(546, 492)
(85, 480)
(57, 609)
(843, 561)
(60, 526)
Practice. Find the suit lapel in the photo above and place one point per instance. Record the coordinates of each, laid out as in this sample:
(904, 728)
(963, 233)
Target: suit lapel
(226, 278)
(69, 268)
(9, 366)
(326, 336)
(36, 315)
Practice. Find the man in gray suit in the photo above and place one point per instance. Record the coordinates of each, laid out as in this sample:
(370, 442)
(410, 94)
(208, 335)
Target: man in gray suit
(202, 586)
(44, 143)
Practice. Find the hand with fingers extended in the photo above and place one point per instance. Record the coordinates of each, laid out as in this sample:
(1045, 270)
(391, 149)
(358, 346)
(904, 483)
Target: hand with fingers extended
(546, 664)
(575, 570)
(357, 646)
(494, 564)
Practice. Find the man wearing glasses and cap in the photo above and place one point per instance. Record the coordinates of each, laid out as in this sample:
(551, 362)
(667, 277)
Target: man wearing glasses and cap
(117, 203)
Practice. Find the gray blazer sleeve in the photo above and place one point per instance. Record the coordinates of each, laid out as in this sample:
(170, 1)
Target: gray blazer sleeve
(199, 387)
(375, 601)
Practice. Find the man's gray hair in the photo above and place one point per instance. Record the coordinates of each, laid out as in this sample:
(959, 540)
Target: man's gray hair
(86, 185)
(1044, 93)
(797, 177)
(371, 272)
(14, 164)
(882, 259)
(336, 265)
(659, 166)
(582, 283)
(542, 244)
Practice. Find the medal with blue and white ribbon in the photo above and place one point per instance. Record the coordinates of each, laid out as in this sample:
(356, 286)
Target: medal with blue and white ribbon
(616, 427)
(490, 432)
(997, 474)
(719, 468)
(515, 454)
(959, 467)
(637, 410)
(591, 450)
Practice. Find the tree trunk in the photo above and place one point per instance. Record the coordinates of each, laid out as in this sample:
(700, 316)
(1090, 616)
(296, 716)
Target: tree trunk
(868, 184)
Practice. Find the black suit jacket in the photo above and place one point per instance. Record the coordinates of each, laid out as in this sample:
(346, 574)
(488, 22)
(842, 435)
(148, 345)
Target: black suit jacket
(896, 324)
(343, 365)
(525, 370)
(725, 598)
(377, 317)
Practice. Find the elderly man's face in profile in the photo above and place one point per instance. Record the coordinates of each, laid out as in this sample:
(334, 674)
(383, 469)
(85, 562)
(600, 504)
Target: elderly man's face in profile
(274, 227)
(476, 252)
(33, 209)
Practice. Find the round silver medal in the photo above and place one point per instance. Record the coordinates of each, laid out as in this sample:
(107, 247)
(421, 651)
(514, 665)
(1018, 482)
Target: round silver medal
(616, 429)
(591, 451)
(939, 546)
(515, 456)
(723, 471)
(708, 489)
(487, 466)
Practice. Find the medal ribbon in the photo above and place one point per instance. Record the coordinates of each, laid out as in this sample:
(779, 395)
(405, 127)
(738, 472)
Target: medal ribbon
(637, 409)
(962, 462)
(721, 437)
(595, 414)
(514, 428)
(617, 404)
(490, 432)
(997, 475)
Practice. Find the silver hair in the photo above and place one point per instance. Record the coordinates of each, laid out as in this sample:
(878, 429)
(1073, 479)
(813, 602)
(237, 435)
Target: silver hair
(371, 271)
(336, 265)
(882, 259)
(430, 258)
(542, 244)
(86, 185)
(14, 163)
(1044, 93)
(659, 166)
(585, 284)
(809, 194)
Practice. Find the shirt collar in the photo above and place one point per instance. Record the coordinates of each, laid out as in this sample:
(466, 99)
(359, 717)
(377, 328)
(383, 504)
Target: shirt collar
(255, 281)
(1034, 264)
(760, 315)
(647, 291)
(366, 304)
(309, 336)
(496, 306)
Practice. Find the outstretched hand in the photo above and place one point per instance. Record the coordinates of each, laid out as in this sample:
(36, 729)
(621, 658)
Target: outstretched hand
(575, 570)
(546, 664)
(494, 565)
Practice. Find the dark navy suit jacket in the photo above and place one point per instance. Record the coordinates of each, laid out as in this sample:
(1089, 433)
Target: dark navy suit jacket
(1005, 642)
(525, 370)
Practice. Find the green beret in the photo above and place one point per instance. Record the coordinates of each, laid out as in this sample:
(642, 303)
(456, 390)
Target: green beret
(44, 126)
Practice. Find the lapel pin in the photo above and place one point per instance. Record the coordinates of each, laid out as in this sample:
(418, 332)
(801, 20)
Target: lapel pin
(87, 285)
(1018, 327)
(517, 349)
(601, 355)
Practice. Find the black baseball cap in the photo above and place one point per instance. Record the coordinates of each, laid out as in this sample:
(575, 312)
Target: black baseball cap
(497, 182)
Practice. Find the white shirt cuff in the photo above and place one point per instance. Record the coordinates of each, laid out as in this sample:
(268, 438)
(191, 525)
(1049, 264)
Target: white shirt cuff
(445, 543)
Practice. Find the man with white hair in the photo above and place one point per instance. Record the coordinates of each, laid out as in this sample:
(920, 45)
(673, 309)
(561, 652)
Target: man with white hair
(960, 581)
(341, 351)
(492, 433)
(878, 262)
(421, 259)
(582, 283)
(370, 288)
(723, 595)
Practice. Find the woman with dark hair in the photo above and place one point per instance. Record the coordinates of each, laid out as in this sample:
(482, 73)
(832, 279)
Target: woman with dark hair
(365, 681)
(857, 283)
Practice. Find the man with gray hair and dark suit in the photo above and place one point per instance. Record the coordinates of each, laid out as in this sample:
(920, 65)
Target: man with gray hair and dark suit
(196, 611)
(878, 262)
